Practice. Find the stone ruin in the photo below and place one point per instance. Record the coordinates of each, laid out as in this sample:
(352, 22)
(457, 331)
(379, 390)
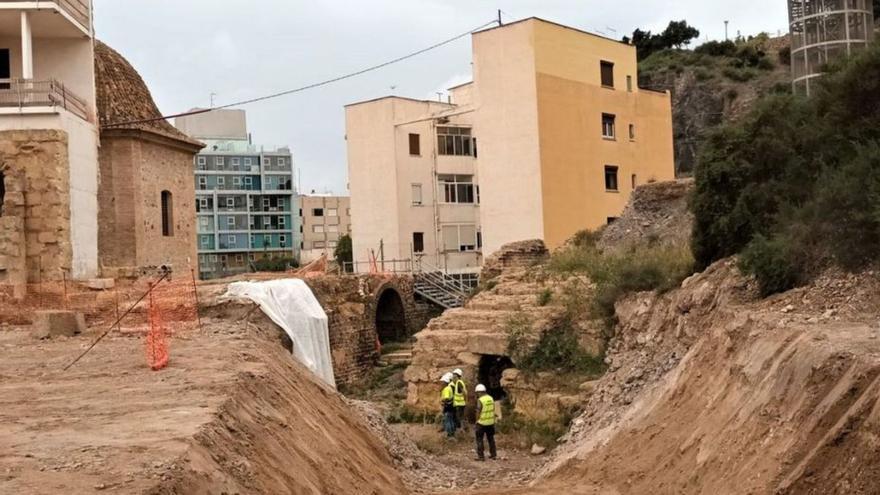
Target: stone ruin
(475, 337)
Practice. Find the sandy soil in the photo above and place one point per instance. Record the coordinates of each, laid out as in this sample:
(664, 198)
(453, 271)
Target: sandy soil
(232, 413)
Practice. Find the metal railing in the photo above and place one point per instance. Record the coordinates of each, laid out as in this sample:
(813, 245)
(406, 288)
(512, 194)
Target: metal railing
(78, 9)
(23, 93)
(437, 276)
(383, 266)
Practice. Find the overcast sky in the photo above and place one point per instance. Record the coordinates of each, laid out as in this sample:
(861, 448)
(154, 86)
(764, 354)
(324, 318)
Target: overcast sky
(238, 49)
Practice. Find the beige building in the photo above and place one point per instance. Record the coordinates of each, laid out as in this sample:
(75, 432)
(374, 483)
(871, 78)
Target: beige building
(323, 220)
(413, 181)
(564, 135)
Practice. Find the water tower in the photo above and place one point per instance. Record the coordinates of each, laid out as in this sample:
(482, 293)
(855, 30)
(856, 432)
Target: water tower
(823, 31)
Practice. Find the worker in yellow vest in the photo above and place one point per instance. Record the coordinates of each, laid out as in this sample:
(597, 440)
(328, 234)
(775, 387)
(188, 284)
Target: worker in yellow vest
(459, 397)
(446, 398)
(485, 422)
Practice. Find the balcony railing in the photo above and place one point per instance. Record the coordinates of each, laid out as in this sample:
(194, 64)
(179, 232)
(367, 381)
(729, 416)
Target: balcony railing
(23, 93)
(78, 9)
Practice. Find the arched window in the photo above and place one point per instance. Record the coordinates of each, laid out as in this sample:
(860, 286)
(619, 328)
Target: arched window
(167, 214)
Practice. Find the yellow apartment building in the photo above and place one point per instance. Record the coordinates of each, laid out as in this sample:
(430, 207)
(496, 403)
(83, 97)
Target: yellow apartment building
(564, 132)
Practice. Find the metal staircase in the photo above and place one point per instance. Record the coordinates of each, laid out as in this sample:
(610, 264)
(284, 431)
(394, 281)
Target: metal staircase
(435, 285)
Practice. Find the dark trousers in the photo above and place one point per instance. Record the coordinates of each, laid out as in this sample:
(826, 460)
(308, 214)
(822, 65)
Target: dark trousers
(489, 433)
(459, 417)
(449, 422)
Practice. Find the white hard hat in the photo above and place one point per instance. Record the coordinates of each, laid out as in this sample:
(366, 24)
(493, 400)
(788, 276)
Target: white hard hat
(446, 378)
(458, 372)
(480, 388)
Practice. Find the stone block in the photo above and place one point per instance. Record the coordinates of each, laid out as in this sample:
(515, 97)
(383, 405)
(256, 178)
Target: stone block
(54, 323)
(101, 283)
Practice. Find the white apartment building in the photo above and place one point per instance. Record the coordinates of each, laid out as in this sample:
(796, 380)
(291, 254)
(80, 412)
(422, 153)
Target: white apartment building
(47, 82)
(413, 180)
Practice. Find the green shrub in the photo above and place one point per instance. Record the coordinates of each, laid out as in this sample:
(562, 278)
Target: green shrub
(274, 264)
(717, 48)
(795, 184)
(544, 297)
(739, 74)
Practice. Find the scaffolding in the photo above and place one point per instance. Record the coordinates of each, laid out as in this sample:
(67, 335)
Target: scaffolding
(823, 31)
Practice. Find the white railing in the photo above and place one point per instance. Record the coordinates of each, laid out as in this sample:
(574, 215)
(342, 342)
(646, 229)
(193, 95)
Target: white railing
(23, 93)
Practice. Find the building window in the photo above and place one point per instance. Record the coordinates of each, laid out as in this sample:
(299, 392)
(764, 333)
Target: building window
(221, 181)
(318, 229)
(206, 241)
(332, 212)
(607, 69)
(236, 181)
(266, 161)
(203, 204)
(281, 161)
(230, 203)
(267, 222)
(239, 258)
(201, 160)
(231, 240)
(252, 257)
(415, 147)
(203, 183)
(457, 188)
(632, 132)
(248, 181)
(318, 244)
(629, 83)
(332, 244)
(633, 179)
(219, 161)
(281, 222)
(282, 239)
(167, 214)
(610, 178)
(230, 222)
(418, 242)
(348, 211)
(417, 194)
(236, 161)
(454, 141)
(248, 161)
(462, 238)
(267, 241)
(317, 212)
(608, 125)
(265, 204)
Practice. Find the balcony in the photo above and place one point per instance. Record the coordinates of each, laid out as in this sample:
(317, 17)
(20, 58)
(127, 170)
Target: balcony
(28, 95)
(78, 10)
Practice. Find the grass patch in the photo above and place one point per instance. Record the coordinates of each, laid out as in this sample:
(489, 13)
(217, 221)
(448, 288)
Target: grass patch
(616, 274)
(525, 432)
(544, 297)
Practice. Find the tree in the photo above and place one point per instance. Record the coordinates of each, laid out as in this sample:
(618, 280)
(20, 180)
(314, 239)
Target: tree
(679, 34)
(343, 252)
(676, 35)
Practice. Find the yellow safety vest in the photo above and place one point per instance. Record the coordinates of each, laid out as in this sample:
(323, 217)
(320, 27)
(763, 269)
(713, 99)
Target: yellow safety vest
(487, 412)
(446, 394)
(460, 394)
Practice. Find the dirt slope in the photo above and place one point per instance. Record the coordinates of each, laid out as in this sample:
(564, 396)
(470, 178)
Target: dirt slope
(232, 414)
(713, 392)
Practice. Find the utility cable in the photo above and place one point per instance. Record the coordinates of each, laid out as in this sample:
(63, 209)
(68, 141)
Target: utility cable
(307, 87)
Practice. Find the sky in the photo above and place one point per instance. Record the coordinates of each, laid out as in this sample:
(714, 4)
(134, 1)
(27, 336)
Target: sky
(238, 49)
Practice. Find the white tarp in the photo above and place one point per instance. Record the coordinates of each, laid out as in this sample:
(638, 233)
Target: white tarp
(292, 306)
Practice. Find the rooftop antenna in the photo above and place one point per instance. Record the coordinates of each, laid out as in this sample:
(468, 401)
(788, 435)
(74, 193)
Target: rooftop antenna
(440, 96)
(212, 99)
(726, 38)
(500, 22)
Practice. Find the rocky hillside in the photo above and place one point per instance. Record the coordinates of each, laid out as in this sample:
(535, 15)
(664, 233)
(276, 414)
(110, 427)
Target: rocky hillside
(710, 89)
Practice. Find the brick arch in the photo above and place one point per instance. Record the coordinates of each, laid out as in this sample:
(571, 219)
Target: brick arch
(390, 311)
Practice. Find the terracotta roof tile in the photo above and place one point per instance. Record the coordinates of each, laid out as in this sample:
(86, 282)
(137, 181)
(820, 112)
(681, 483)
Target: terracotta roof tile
(123, 96)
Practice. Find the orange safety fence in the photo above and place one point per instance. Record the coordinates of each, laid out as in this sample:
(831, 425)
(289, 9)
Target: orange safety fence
(156, 342)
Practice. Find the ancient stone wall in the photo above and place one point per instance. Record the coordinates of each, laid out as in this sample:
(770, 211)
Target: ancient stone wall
(136, 168)
(351, 304)
(13, 271)
(37, 193)
(521, 254)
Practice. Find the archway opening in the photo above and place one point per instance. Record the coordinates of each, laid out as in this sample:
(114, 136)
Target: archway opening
(390, 317)
(489, 373)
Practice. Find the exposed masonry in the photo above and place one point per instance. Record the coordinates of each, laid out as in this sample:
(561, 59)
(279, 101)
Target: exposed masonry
(35, 223)
(351, 304)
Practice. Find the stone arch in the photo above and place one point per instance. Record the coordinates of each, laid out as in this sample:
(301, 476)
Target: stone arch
(390, 315)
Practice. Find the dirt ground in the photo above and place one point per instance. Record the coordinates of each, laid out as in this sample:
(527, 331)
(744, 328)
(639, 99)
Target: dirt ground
(232, 413)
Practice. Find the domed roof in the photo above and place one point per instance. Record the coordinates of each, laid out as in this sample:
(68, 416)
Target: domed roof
(122, 97)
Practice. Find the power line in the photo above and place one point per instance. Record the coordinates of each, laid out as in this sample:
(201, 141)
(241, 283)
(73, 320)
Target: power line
(307, 87)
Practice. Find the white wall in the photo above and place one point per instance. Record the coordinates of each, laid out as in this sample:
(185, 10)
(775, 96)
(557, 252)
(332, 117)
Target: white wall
(505, 95)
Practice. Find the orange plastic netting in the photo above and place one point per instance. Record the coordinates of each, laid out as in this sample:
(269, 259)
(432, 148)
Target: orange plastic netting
(157, 338)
